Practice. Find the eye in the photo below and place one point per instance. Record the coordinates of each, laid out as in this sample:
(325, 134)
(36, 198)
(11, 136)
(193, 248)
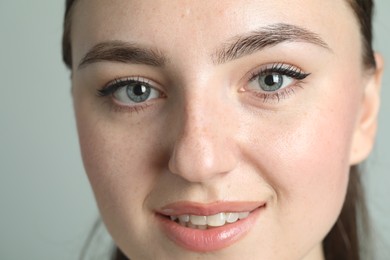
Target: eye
(135, 92)
(130, 92)
(272, 82)
(273, 78)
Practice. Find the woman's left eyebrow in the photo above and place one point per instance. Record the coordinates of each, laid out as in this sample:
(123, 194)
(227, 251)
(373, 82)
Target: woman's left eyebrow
(264, 37)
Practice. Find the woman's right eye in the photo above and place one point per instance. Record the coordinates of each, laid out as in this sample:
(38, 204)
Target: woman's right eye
(130, 92)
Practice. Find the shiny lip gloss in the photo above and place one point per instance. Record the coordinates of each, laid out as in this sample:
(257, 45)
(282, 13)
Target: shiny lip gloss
(212, 239)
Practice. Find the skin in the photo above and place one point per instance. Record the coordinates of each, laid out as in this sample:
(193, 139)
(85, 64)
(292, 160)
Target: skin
(210, 137)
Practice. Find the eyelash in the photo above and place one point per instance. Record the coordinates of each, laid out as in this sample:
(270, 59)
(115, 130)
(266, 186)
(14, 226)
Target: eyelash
(282, 69)
(116, 84)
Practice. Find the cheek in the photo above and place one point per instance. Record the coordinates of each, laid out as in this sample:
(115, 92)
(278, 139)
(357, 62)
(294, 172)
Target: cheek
(304, 156)
(314, 161)
(121, 175)
(118, 165)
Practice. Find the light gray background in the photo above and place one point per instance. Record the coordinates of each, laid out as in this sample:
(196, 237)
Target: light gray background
(46, 205)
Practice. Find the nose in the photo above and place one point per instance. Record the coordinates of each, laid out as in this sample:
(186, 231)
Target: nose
(204, 146)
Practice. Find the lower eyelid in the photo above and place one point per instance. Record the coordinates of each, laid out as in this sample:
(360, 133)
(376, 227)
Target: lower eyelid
(121, 108)
(116, 106)
(274, 97)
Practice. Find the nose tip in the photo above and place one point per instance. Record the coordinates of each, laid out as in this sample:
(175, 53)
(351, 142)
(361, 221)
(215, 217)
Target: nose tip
(199, 162)
(203, 150)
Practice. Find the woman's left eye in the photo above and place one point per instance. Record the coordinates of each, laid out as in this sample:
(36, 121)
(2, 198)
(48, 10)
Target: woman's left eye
(275, 78)
(272, 82)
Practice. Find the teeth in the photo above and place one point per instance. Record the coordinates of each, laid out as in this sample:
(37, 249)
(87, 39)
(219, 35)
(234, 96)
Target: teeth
(190, 225)
(184, 218)
(243, 215)
(216, 220)
(198, 220)
(231, 217)
(204, 222)
(202, 227)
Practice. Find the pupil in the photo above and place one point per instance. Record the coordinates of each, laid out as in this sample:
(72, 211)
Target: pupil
(271, 80)
(139, 89)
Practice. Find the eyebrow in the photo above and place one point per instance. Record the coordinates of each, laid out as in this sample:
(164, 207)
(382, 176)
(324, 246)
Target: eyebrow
(126, 52)
(267, 36)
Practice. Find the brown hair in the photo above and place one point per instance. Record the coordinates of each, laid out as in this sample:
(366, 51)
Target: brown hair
(344, 241)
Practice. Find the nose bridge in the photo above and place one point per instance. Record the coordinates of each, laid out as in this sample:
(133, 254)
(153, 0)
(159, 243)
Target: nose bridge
(201, 148)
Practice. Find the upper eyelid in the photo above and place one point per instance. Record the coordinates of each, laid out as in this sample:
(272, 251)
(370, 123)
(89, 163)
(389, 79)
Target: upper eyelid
(114, 85)
(129, 79)
(277, 67)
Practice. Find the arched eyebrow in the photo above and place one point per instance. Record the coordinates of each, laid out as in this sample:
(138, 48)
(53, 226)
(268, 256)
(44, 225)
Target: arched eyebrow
(264, 37)
(121, 51)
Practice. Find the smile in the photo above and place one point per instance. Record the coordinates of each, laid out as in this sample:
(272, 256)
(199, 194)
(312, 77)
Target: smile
(208, 227)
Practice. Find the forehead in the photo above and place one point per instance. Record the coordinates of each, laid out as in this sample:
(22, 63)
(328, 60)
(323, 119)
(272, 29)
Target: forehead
(201, 25)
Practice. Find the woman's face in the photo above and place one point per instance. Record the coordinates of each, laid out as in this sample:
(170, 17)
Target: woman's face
(204, 109)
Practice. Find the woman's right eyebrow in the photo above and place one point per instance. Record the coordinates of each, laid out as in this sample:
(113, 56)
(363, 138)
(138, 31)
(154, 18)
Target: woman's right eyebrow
(121, 51)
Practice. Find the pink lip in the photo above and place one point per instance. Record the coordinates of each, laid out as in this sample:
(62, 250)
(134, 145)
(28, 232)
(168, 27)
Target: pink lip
(211, 239)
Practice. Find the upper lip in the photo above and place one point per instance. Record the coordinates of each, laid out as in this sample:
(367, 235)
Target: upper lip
(207, 209)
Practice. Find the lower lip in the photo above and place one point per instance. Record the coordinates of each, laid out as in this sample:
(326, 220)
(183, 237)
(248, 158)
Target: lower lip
(210, 239)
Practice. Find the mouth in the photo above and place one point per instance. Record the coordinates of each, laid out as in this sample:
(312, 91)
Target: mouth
(208, 227)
